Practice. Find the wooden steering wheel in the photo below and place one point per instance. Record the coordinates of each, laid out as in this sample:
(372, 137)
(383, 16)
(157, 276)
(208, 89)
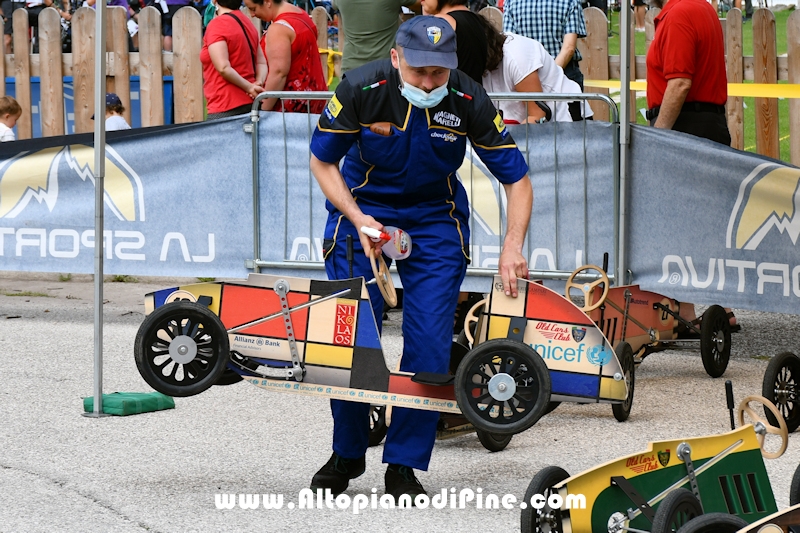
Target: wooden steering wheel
(383, 278)
(782, 430)
(588, 288)
(472, 319)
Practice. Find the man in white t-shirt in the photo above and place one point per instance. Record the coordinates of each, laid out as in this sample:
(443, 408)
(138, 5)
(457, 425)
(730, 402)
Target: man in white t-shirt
(527, 67)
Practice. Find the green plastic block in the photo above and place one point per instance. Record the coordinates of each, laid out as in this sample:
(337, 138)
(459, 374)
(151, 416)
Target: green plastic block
(131, 403)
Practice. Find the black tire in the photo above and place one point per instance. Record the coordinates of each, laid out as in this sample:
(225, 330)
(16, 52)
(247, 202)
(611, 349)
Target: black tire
(714, 523)
(544, 519)
(377, 424)
(781, 387)
(676, 510)
(494, 442)
(625, 355)
(229, 377)
(522, 369)
(794, 488)
(182, 326)
(715, 341)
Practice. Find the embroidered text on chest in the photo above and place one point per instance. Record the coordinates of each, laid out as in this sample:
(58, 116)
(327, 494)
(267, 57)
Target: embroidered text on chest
(447, 119)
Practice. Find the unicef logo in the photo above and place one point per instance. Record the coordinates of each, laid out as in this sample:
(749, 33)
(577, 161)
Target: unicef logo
(599, 355)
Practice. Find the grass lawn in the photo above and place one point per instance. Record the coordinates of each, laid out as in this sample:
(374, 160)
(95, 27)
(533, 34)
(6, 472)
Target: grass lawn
(749, 124)
(749, 111)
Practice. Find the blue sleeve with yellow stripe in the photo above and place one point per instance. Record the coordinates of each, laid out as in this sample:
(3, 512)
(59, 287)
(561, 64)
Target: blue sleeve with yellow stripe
(493, 143)
(338, 126)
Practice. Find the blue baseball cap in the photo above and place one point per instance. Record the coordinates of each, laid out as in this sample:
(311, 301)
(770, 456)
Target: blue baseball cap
(111, 99)
(428, 42)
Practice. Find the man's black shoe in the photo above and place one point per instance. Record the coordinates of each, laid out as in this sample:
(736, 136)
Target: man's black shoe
(401, 480)
(337, 473)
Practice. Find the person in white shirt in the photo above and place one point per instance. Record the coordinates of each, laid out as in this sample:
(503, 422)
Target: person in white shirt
(10, 111)
(520, 64)
(114, 110)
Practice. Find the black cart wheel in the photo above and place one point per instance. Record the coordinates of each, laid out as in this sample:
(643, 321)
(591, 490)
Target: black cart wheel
(715, 341)
(625, 355)
(181, 349)
(229, 377)
(493, 442)
(546, 519)
(502, 386)
(676, 510)
(781, 384)
(794, 488)
(714, 523)
(377, 424)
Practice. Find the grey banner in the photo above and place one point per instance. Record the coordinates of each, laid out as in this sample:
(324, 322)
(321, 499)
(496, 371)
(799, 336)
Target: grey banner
(179, 200)
(713, 225)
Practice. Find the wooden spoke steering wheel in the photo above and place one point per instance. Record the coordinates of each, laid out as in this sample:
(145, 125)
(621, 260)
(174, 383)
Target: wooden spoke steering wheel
(782, 430)
(471, 319)
(588, 288)
(383, 278)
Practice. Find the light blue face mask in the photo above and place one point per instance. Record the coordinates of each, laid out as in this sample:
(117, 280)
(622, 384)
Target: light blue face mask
(419, 98)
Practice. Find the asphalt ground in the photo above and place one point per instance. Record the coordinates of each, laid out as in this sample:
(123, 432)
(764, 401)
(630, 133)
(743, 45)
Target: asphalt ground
(160, 472)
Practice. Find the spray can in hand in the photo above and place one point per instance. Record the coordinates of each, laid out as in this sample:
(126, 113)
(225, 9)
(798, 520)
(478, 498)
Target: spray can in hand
(399, 242)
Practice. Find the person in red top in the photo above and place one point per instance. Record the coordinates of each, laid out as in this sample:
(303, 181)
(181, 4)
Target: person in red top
(687, 87)
(290, 46)
(234, 66)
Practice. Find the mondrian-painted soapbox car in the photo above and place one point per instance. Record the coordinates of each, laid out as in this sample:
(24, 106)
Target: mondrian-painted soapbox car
(320, 338)
(662, 488)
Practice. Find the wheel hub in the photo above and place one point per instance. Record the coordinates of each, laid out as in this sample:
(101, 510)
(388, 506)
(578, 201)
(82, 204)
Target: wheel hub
(182, 349)
(784, 391)
(719, 341)
(616, 523)
(502, 387)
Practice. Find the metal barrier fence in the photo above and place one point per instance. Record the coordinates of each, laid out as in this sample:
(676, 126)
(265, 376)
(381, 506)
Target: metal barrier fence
(575, 169)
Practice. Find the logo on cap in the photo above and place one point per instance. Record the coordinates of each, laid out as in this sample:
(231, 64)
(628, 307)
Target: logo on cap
(434, 34)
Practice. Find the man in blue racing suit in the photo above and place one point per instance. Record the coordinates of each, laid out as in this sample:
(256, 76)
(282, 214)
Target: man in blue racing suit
(402, 125)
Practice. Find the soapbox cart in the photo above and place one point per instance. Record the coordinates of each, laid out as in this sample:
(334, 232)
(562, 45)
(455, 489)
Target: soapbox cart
(650, 322)
(320, 338)
(662, 488)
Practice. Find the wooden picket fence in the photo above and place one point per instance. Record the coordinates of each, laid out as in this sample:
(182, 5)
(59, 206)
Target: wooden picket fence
(150, 63)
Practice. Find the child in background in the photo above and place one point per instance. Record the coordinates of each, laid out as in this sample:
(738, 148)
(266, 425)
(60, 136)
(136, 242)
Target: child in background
(114, 110)
(10, 112)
